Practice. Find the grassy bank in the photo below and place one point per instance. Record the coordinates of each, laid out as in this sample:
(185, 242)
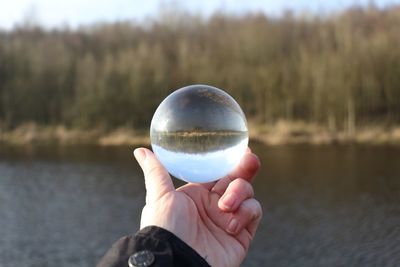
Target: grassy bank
(302, 133)
(34, 134)
(277, 134)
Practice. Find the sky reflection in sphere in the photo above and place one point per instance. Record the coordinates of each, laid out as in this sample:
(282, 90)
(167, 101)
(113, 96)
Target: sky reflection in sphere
(199, 133)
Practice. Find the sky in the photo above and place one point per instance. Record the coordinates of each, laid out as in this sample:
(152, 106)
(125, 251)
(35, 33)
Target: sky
(56, 13)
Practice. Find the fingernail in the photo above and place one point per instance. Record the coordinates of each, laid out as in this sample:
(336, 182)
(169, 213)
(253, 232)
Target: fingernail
(232, 226)
(139, 154)
(228, 200)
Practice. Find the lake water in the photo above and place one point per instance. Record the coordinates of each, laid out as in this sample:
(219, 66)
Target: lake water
(323, 205)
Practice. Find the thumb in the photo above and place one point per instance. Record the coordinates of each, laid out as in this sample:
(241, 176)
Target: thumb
(157, 180)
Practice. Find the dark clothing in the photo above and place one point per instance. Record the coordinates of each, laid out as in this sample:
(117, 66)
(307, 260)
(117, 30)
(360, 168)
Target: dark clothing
(152, 245)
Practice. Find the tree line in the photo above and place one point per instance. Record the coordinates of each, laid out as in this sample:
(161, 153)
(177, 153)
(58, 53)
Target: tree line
(340, 70)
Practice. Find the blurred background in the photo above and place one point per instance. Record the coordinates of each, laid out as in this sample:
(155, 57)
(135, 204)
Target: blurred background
(319, 82)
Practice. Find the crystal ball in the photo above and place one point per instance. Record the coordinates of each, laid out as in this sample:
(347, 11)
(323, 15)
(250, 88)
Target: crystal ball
(199, 133)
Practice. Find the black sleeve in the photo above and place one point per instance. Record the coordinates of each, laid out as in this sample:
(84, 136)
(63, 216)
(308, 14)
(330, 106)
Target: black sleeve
(152, 245)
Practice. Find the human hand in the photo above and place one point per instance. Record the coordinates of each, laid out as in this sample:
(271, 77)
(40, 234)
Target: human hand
(217, 219)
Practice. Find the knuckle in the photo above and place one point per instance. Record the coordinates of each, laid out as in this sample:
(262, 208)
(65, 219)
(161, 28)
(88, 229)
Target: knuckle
(258, 212)
(244, 186)
(254, 208)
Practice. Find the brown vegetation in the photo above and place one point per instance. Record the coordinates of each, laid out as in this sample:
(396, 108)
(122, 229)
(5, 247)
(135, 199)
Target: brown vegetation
(282, 132)
(336, 74)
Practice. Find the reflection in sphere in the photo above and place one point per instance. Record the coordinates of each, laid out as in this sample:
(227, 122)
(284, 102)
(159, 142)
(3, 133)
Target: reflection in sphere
(199, 133)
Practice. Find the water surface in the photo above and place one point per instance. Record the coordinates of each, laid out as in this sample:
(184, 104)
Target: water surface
(323, 205)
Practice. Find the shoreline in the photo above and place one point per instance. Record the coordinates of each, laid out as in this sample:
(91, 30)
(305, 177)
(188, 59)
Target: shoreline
(281, 133)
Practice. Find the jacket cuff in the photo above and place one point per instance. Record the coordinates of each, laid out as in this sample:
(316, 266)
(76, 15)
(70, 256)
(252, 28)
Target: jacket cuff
(154, 244)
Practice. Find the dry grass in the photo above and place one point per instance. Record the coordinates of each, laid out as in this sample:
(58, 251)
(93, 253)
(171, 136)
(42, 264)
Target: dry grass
(31, 133)
(282, 132)
(124, 136)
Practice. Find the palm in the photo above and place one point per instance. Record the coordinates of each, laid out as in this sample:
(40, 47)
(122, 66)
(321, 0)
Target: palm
(204, 227)
(193, 212)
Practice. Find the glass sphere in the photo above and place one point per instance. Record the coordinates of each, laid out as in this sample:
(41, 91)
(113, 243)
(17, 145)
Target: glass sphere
(199, 133)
